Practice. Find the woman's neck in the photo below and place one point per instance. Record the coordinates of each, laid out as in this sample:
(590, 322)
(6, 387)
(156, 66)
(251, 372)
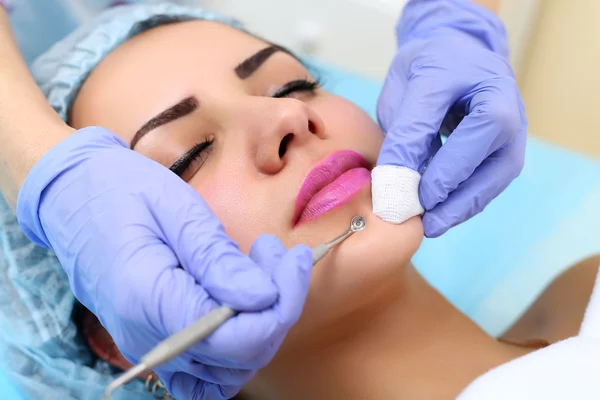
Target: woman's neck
(416, 346)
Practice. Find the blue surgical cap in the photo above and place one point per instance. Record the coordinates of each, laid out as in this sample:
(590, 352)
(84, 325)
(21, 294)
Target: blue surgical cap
(41, 349)
(63, 69)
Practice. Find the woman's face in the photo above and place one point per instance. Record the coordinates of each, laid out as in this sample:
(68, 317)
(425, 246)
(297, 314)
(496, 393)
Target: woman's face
(246, 135)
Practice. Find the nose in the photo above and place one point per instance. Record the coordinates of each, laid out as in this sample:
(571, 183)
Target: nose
(290, 124)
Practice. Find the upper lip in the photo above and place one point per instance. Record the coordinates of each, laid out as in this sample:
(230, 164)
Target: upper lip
(325, 172)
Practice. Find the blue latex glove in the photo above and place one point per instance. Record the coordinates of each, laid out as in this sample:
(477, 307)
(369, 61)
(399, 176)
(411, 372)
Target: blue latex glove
(122, 224)
(452, 62)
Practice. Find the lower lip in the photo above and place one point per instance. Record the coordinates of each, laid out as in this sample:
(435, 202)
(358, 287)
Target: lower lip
(336, 194)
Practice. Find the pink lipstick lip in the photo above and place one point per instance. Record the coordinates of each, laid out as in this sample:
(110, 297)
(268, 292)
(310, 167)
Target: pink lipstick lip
(333, 169)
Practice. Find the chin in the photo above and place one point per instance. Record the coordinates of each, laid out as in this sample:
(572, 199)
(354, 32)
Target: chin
(362, 266)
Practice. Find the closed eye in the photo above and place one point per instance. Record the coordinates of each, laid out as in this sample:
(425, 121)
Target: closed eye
(299, 85)
(196, 154)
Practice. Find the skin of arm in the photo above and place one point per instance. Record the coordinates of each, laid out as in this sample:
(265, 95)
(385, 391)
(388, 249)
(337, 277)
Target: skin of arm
(492, 5)
(558, 313)
(24, 139)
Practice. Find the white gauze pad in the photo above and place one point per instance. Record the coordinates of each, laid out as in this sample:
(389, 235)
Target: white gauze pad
(395, 192)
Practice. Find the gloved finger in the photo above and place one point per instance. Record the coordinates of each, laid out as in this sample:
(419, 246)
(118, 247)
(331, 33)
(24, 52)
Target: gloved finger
(494, 118)
(185, 386)
(209, 371)
(228, 376)
(209, 255)
(292, 278)
(416, 124)
(392, 93)
(250, 340)
(165, 298)
(176, 301)
(266, 251)
(436, 145)
(251, 359)
(478, 191)
(206, 373)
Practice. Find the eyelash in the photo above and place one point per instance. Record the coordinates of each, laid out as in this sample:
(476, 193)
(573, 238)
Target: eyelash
(299, 85)
(201, 150)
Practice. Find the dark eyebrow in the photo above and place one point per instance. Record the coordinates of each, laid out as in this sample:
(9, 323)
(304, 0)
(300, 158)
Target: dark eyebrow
(181, 109)
(252, 63)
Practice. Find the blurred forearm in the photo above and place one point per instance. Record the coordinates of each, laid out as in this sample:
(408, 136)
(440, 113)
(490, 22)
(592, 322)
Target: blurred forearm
(28, 125)
(492, 5)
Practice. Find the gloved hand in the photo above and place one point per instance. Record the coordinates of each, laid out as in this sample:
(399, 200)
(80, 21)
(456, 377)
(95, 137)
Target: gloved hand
(566, 370)
(122, 225)
(451, 62)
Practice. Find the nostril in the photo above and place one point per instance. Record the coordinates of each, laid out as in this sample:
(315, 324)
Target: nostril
(284, 143)
(312, 128)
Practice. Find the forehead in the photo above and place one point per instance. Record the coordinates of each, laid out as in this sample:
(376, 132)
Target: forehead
(158, 68)
(180, 47)
(188, 39)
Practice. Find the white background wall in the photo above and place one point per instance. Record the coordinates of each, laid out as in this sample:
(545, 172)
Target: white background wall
(355, 34)
(560, 82)
(346, 33)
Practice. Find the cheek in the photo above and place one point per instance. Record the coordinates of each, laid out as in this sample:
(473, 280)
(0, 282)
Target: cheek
(230, 203)
(350, 124)
(242, 205)
(364, 272)
(364, 265)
